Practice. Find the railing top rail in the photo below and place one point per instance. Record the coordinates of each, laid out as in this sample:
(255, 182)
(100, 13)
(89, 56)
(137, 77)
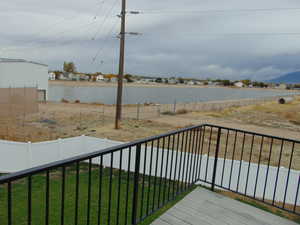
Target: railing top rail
(79, 158)
(254, 133)
(60, 163)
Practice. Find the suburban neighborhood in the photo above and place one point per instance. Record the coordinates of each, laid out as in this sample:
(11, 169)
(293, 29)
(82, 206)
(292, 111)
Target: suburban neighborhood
(73, 75)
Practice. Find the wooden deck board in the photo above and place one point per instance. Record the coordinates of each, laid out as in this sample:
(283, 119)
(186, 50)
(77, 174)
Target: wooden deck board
(203, 207)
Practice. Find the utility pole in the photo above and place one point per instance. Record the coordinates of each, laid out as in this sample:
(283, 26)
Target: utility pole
(121, 67)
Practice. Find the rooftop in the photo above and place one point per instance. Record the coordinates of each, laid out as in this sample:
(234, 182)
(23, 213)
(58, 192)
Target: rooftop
(8, 60)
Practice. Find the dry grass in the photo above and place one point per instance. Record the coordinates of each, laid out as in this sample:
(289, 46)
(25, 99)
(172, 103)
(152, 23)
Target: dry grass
(269, 114)
(58, 120)
(69, 120)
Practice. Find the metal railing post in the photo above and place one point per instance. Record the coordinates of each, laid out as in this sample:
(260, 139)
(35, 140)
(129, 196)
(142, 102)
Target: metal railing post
(136, 184)
(216, 160)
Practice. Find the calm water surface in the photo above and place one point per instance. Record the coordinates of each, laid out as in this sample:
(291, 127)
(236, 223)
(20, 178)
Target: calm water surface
(162, 95)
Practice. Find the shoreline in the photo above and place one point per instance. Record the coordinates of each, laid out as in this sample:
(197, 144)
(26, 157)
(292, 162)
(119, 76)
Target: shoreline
(239, 102)
(156, 85)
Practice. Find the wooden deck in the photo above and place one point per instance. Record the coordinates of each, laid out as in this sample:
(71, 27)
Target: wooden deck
(203, 207)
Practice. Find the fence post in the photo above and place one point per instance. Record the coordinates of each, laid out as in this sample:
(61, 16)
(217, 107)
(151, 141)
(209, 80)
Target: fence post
(29, 152)
(60, 156)
(174, 109)
(216, 160)
(158, 110)
(103, 113)
(136, 184)
(138, 112)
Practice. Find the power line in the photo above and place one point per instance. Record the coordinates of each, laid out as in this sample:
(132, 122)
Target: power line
(104, 20)
(59, 36)
(49, 28)
(215, 11)
(248, 34)
(108, 34)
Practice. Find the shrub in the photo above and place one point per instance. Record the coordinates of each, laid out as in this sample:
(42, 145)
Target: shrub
(64, 100)
(181, 111)
(169, 113)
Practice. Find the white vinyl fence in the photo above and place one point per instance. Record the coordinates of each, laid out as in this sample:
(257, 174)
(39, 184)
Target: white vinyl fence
(18, 156)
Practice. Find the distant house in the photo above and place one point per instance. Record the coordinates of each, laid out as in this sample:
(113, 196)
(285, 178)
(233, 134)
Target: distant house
(61, 76)
(283, 86)
(199, 83)
(83, 77)
(173, 81)
(51, 76)
(146, 81)
(165, 80)
(99, 77)
(72, 76)
(239, 84)
(114, 79)
(191, 82)
(271, 85)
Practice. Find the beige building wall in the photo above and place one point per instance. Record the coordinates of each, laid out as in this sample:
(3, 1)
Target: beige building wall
(18, 101)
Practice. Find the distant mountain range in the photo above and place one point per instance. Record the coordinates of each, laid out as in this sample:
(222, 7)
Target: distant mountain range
(290, 78)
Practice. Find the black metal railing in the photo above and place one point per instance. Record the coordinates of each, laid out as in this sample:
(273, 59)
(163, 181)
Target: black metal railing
(126, 184)
(261, 167)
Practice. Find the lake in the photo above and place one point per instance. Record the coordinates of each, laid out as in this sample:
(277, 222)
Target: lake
(162, 95)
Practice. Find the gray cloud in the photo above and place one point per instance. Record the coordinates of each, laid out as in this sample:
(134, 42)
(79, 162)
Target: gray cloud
(201, 45)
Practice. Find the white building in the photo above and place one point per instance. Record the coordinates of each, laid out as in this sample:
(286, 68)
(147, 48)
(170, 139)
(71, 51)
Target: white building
(283, 86)
(239, 84)
(51, 76)
(190, 82)
(173, 81)
(99, 77)
(19, 73)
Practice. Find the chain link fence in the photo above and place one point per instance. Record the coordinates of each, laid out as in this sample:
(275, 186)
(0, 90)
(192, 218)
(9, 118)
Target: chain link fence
(148, 111)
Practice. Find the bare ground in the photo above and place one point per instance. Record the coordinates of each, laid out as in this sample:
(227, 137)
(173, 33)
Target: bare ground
(69, 119)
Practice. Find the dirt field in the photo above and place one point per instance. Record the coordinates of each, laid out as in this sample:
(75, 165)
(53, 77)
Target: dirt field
(60, 120)
(69, 119)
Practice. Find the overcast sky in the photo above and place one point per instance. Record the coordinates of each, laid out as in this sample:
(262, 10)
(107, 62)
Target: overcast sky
(190, 38)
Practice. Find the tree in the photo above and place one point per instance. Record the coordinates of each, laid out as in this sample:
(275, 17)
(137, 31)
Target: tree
(226, 82)
(246, 82)
(129, 78)
(297, 86)
(181, 80)
(57, 74)
(158, 80)
(259, 84)
(69, 67)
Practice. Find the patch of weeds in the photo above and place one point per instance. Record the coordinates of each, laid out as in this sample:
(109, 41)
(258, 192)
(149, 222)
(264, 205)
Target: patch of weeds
(295, 122)
(169, 113)
(47, 121)
(181, 111)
